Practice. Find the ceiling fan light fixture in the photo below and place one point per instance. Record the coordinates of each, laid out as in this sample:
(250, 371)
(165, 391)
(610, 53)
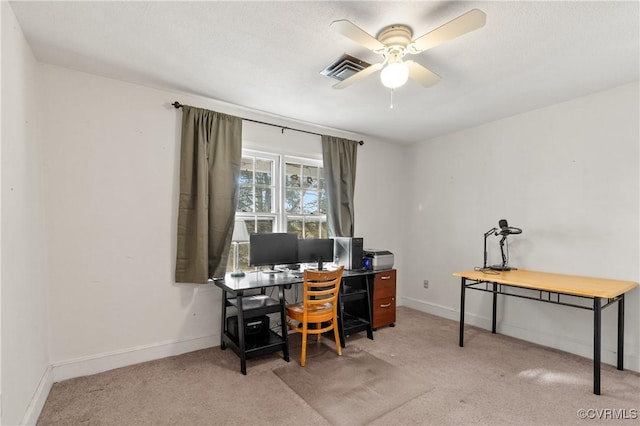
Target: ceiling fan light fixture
(395, 41)
(394, 75)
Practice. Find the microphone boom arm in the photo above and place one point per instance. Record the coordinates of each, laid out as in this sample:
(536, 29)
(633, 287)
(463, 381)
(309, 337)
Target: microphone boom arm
(486, 234)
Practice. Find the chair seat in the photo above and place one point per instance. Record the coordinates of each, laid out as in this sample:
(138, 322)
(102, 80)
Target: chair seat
(298, 308)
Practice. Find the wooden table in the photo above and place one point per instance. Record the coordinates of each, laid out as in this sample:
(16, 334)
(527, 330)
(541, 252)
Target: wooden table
(551, 287)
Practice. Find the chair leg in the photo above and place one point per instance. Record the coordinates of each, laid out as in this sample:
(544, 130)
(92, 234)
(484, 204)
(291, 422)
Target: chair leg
(336, 334)
(303, 355)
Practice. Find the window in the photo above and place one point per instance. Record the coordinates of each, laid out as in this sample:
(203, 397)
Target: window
(258, 192)
(279, 193)
(305, 203)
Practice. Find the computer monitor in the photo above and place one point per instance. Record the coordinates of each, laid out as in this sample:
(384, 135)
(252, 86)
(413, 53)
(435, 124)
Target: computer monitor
(273, 249)
(315, 250)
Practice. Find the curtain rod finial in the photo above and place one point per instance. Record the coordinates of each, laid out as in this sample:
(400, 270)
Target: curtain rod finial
(177, 105)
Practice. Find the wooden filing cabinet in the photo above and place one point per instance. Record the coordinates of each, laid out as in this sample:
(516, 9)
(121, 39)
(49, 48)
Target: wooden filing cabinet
(384, 298)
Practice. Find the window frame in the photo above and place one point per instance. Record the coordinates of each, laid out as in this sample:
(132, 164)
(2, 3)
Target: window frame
(278, 212)
(275, 213)
(321, 218)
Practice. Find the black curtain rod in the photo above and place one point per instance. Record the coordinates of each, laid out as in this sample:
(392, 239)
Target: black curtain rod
(177, 105)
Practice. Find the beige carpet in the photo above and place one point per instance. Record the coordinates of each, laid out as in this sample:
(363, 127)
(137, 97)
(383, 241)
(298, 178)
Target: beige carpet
(493, 380)
(352, 389)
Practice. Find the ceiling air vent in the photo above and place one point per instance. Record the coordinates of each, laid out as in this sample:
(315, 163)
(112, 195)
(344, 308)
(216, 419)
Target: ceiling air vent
(344, 67)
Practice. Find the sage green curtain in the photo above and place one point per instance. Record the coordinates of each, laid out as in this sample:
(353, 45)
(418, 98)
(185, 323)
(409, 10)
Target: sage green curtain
(210, 158)
(339, 162)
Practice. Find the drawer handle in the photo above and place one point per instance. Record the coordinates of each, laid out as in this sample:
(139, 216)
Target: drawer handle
(388, 277)
(386, 305)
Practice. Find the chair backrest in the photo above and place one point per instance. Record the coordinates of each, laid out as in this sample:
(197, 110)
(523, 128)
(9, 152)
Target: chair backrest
(321, 287)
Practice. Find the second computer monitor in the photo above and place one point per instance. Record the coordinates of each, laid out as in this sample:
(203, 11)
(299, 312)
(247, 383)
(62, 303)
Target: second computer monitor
(315, 250)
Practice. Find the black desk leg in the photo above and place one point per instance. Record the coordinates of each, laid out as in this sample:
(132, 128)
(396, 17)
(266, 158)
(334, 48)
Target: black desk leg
(621, 332)
(597, 314)
(241, 346)
(343, 342)
(462, 287)
(495, 305)
(223, 320)
(283, 322)
(368, 282)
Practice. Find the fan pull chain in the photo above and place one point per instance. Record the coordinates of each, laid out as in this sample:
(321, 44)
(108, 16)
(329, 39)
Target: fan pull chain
(391, 101)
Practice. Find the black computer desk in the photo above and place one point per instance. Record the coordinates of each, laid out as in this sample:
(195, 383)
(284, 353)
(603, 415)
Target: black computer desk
(354, 314)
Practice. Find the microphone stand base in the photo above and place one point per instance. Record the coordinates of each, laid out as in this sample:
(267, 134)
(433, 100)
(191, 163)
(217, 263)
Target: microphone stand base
(501, 268)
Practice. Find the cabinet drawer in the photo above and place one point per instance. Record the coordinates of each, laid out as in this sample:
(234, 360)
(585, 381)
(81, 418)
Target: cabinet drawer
(385, 277)
(384, 284)
(384, 311)
(384, 290)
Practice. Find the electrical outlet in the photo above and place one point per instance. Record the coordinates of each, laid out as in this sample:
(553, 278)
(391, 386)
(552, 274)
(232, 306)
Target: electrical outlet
(426, 283)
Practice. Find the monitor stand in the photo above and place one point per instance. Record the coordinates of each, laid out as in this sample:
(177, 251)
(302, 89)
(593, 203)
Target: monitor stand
(318, 267)
(272, 270)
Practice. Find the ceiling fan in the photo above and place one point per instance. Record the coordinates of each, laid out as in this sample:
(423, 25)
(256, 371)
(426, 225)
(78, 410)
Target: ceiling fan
(395, 41)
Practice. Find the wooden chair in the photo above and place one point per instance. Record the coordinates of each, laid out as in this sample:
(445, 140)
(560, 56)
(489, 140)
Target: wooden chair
(318, 311)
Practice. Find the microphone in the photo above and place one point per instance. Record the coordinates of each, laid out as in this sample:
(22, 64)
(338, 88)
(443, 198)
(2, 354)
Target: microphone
(505, 229)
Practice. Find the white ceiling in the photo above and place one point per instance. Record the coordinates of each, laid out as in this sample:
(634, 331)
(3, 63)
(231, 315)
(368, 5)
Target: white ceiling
(267, 56)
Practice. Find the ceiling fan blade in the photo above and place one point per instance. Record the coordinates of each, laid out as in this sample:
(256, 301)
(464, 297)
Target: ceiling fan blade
(357, 34)
(357, 76)
(472, 20)
(421, 74)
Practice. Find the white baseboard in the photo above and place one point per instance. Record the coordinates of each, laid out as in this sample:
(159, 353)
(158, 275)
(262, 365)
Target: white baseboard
(98, 363)
(580, 348)
(447, 312)
(108, 361)
(39, 398)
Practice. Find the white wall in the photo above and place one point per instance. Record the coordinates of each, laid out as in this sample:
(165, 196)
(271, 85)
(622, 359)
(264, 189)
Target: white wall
(381, 200)
(111, 171)
(23, 281)
(110, 166)
(568, 175)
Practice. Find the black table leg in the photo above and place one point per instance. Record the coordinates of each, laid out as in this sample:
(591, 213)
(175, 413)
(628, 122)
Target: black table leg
(369, 288)
(283, 322)
(223, 320)
(241, 342)
(462, 288)
(621, 332)
(597, 316)
(495, 305)
(343, 343)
